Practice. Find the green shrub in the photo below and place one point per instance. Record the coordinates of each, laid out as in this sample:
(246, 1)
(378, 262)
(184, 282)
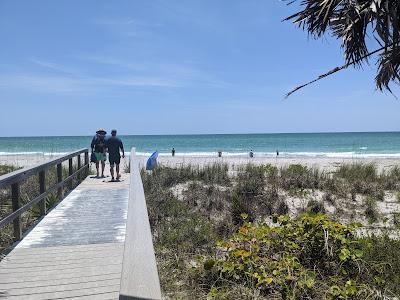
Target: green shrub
(239, 206)
(398, 197)
(216, 173)
(315, 207)
(301, 177)
(371, 212)
(396, 219)
(391, 178)
(357, 172)
(189, 234)
(250, 181)
(166, 176)
(328, 197)
(384, 253)
(281, 208)
(310, 257)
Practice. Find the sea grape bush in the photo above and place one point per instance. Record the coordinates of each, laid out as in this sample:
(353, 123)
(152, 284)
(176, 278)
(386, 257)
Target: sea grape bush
(310, 257)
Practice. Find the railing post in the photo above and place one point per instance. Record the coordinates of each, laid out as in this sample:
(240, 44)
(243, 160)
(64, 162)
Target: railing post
(70, 172)
(15, 206)
(59, 180)
(87, 162)
(79, 167)
(42, 189)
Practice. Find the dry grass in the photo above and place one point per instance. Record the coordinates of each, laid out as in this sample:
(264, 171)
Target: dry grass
(190, 208)
(29, 189)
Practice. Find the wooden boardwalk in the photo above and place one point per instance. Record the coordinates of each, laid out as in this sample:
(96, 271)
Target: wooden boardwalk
(76, 251)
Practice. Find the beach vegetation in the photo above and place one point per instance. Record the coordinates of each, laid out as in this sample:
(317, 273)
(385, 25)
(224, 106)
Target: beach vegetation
(29, 189)
(329, 198)
(167, 176)
(355, 172)
(4, 169)
(311, 257)
(234, 239)
(396, 220)
(398, 197)
(300, 177)
(315, 207)
(371, 212)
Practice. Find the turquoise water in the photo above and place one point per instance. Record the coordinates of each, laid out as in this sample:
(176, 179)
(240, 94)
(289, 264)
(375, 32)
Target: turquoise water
(379, 144)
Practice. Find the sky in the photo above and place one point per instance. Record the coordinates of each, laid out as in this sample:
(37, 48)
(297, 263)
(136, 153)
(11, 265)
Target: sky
(68, 67)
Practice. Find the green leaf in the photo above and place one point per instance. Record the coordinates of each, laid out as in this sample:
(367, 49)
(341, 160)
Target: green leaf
(358, 253)
(350, 288)
(344, 254)
(269, 280)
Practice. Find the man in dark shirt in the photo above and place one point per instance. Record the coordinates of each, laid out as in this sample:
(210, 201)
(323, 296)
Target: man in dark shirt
(98, 147)
(114, 144)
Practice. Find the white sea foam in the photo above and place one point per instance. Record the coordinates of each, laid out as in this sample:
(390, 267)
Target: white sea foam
(232, 154)
(282, 154)
(21, 153)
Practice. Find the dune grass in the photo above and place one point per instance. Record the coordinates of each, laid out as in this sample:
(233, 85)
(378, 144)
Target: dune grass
(216, 205)
(4, 169)
(29, 189)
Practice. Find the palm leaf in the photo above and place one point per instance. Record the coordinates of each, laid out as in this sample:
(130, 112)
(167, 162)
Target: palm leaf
(352, 21)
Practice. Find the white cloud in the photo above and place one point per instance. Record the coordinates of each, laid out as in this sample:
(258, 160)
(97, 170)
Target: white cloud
(84, 84)
(53, 66)
(57, 78)
(186, 73)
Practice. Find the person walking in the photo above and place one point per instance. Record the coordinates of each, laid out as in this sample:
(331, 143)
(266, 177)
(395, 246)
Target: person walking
(98, 147)
(114, 145)
(173, 151)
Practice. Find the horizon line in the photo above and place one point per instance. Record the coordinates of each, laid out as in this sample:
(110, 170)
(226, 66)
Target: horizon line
(205, 134)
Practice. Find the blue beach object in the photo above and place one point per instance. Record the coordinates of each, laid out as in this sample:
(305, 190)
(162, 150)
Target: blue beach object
(152, 161)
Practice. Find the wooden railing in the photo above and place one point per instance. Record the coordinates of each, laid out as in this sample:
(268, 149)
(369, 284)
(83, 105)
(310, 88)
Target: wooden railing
(139, 279)
(14, 179)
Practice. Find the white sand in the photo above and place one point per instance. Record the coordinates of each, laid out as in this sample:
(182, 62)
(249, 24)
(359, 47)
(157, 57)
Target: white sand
(25, 160)
(321, 162)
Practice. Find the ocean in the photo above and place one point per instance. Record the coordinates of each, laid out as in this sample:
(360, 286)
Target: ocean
(366, 144)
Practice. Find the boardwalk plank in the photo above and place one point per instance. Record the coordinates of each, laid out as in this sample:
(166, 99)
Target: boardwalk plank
(67, 294)
(75, 252)
(63, 281)
(21, 291)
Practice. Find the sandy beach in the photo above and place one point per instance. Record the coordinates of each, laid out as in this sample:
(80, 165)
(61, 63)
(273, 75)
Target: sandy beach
(325, 163)
(321, 162)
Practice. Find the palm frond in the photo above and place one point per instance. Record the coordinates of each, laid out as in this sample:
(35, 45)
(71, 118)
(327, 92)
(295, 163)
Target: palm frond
(351, 21)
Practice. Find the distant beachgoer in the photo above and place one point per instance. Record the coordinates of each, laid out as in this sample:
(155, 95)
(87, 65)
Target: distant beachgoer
(173, 151)
(219, 153)
(114, 145)
(251, 154)
(277, 153)
(98, 147)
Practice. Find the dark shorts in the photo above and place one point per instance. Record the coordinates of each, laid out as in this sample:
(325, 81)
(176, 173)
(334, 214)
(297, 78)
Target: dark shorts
(114, 159)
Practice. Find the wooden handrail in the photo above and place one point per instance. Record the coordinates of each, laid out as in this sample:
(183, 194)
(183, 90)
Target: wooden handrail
(14, 179)
(139, 279)
(21, 174)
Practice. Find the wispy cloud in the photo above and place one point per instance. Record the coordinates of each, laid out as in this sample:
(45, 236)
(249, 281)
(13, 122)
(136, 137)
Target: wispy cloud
(113, 21)
(44, 83)
(186, 73)
(52, 77)
(126, 26)
(53, 66)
